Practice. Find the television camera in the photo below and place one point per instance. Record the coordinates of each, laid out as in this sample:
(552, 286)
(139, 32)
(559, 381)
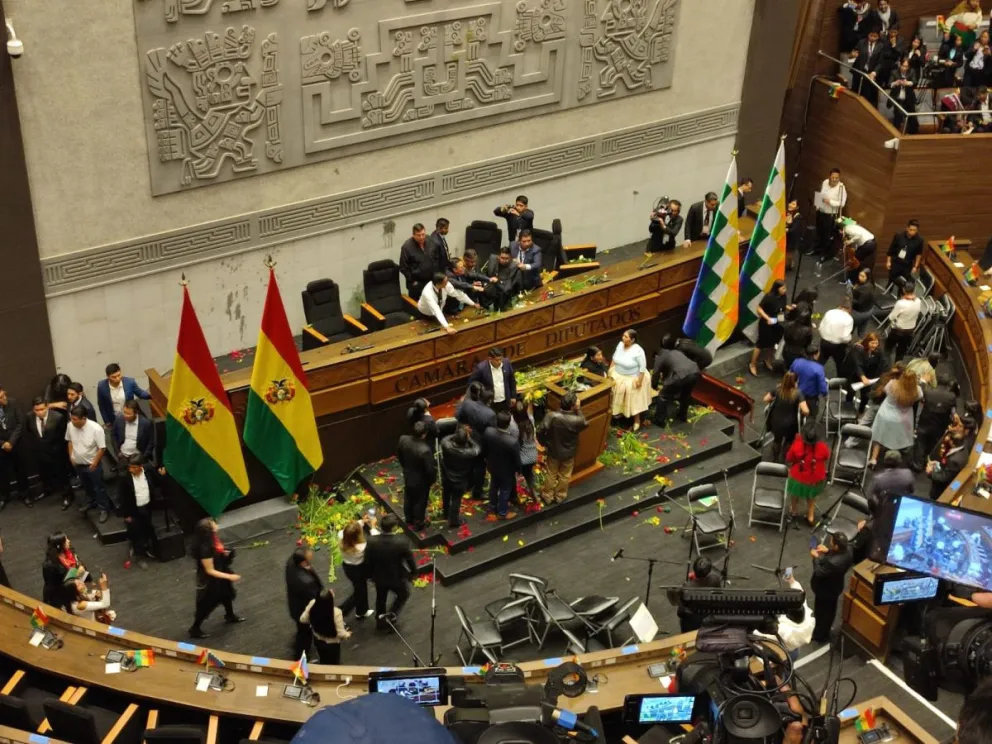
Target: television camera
(661, 208)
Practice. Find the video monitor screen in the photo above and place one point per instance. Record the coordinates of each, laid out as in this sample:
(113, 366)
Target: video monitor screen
(899, 589)
(666, 709)
(421, 690)
(942, 541)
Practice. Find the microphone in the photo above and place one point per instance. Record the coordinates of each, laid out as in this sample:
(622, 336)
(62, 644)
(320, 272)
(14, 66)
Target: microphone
(567, 720)
(618, 554)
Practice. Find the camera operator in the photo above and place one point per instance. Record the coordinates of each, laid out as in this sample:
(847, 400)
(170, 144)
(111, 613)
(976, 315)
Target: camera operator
(666, 224)
(975, 718)
(830, 565)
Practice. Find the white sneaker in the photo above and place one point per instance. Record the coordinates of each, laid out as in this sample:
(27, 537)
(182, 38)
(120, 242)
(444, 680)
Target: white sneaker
(367, 613)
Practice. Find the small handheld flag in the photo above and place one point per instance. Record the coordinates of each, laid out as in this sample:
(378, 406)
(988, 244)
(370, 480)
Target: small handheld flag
(942, 24)
(209, 659)
(39, 620)
(144, 657)
(835, 90)
(948, 247)
(300, 669)
(973, 273)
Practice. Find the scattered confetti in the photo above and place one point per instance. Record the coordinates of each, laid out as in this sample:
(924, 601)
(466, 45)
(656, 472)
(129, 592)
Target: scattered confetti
(752, 538)
(520, 543)
(505, 538)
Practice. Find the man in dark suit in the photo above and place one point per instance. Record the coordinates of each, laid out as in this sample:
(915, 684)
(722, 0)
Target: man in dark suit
(496, 374)
(11, 462)
(390, 563)
(419, 473)
(47, 428)
(302, 585)
(518, 217)
(700, 217)
(459, 454)
(527, 255)
(134, 494)
(439, 245)
(417, 262)
(77, 397)
(478, 417)
(114, 391)
(133, 433)
(502, 451)
(745, 188)
(947, 465)
(935, 416)
(665, 227)
(509, 280)
(868, 59)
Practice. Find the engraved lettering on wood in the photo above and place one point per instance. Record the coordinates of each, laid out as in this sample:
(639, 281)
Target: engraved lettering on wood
(217, 73)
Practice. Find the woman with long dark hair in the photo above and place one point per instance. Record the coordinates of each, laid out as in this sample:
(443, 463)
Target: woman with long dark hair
(524, 417)
(862, 300)
(60, 557)
(327, 622)
(57, 392)
(771, 315)
(787, 402)
(865, 363)
(632, 391)
(797, 335)
(420, 411)
(214, 580)
(808, 457)
(595, 362)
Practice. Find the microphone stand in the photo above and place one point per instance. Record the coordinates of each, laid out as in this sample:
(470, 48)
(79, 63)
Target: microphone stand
(389, 617)
(778, 571)
(434, 659)
(651, 562)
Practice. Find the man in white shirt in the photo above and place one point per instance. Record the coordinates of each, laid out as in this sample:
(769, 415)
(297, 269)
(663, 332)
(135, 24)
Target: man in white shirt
(432, 299)
(836, 328)
(134, 491)
(830, 202)
(87, 446)
(902, 319)
(860, 245)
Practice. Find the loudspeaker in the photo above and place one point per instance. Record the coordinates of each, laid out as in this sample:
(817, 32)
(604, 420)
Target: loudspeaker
(920, 664)
(170, 544)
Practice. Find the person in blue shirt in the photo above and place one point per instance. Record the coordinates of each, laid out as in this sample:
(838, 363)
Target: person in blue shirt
(812, 378)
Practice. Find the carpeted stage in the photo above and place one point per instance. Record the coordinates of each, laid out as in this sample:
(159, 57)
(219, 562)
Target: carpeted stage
(571, 545)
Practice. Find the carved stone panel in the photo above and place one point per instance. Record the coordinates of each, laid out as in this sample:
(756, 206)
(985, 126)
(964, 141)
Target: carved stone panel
(233, 88)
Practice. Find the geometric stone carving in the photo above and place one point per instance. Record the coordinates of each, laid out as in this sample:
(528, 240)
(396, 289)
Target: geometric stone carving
(342, 208)
(234, 88)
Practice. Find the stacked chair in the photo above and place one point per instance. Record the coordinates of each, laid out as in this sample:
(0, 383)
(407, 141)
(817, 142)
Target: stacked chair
(326, 323)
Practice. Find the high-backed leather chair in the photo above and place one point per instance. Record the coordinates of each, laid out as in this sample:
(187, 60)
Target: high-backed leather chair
(88, 725)
(485, 237)
(572, 259)
(385, 305)
(175, 735)
(326, 323)
(545, 240)
(14, 713)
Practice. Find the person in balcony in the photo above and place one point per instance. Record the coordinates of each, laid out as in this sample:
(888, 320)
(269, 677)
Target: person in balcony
(902, 90)
(964, 20)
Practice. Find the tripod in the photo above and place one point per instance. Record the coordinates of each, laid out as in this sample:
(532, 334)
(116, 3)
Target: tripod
(778, 572)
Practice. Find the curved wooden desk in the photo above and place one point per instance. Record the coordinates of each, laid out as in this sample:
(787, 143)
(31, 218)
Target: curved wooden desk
(170, 680)
(972, 331)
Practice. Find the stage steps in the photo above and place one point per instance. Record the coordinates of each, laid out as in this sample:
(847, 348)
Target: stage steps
(642, 499)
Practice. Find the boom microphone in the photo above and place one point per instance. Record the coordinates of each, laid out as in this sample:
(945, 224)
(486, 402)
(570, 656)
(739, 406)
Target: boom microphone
(618, 554)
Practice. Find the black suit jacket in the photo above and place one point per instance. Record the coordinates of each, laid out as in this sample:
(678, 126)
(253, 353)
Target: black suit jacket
(477, 416)
(502, 452)
(515, 223)
(417, 460)
(51, 443)
(125, 490)
(694, 221)
(439, 251)
(483, 374)
(146, 436)
(415, 264)
(511, 286)
(302, 585)
(664, 234)
(866, 62)
(389, 560)
(14, 423)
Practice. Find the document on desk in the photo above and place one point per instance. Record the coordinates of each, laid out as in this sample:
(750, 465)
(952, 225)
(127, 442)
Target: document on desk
(203, 683)
(37, 637)
(958, 265)
(261, 690)
(113, 667)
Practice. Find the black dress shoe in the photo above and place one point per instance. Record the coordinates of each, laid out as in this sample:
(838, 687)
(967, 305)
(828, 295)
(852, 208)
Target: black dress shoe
(86, 507)
(27, 501)
(3, 505)
(197, 633)
(235, 619)
(66, 505)
(103, 516)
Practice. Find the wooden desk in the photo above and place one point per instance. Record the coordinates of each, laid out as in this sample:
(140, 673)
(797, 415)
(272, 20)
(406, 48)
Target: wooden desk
(906, 729)
(170, 680)
(972, 332)
(867, 624)
(416, 359)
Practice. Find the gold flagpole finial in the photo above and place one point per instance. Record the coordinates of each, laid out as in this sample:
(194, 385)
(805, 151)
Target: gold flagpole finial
(182, 280)
(783, 138)
(734, 153)
(269, 263)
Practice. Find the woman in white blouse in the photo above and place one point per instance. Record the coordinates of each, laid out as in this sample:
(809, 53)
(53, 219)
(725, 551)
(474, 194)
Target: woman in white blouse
(327, 623)
(353, 562)
(632, 391)
(93, 605)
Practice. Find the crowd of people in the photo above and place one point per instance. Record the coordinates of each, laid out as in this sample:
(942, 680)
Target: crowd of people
(880, 56)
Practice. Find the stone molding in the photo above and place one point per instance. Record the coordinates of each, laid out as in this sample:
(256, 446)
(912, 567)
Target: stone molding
(106, 264)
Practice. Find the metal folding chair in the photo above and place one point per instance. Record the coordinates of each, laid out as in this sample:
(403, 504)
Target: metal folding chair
(852, 461)
(768, 494)
(709, 523)
(839, 411)
(482, 636)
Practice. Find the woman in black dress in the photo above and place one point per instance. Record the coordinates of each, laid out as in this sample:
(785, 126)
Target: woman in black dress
(862, 300)
(60, 556)
(865, 362)
(421, 411)
(797, 334)
(771, 314)
(917, 56)
(787, 402)
(595, 362)
(214, 582)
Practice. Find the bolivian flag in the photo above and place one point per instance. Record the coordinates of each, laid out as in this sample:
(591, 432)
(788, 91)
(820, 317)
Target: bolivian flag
(202, 449)
(280, 428)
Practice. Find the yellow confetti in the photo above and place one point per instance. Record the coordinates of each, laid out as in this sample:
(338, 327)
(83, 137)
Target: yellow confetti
(520, 543)
(505, 538)
(662, 480)
(378, 481)
(655, 521)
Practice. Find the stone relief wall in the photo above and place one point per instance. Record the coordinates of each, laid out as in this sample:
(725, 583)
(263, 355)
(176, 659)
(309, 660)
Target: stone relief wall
(234, 88)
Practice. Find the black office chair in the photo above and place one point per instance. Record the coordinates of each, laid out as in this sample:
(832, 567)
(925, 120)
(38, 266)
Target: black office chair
(385, 305)
(175, 735)
(78, 724)
(326, 323)
(446, 426)
(572, 259)
(15, 714)
(545, 240)
(485, 237)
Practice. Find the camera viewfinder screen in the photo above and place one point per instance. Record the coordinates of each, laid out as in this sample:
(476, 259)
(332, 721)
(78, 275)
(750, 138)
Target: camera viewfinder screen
(421, 690)
(942, 541)
(666, 709)
(910, 590)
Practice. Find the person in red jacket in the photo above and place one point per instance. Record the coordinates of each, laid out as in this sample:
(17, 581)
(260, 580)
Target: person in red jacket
(808, 457)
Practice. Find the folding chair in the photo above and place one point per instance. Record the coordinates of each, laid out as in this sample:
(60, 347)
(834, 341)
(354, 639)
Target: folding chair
(511, 611)
(482, 636)
(853, 460)
(555, 611)
(770, 495)
(593, 607)
(610, 625)
(522, 585)
(833, 524)
(708, 523)
(839, 410)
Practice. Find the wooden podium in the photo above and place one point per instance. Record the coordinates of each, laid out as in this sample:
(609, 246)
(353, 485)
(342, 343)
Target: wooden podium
(596, 408)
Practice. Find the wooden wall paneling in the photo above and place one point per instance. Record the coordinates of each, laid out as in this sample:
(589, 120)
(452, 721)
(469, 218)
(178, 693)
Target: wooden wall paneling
(516, 324)
(945, 182)
(337, 374)
(582, 305)
(628, 290)
(466, 338)
(403, 356)
(684, 272)
(341, 398)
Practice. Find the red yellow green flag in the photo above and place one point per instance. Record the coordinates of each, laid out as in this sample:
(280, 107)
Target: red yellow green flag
(202, 450)
(280, 428)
